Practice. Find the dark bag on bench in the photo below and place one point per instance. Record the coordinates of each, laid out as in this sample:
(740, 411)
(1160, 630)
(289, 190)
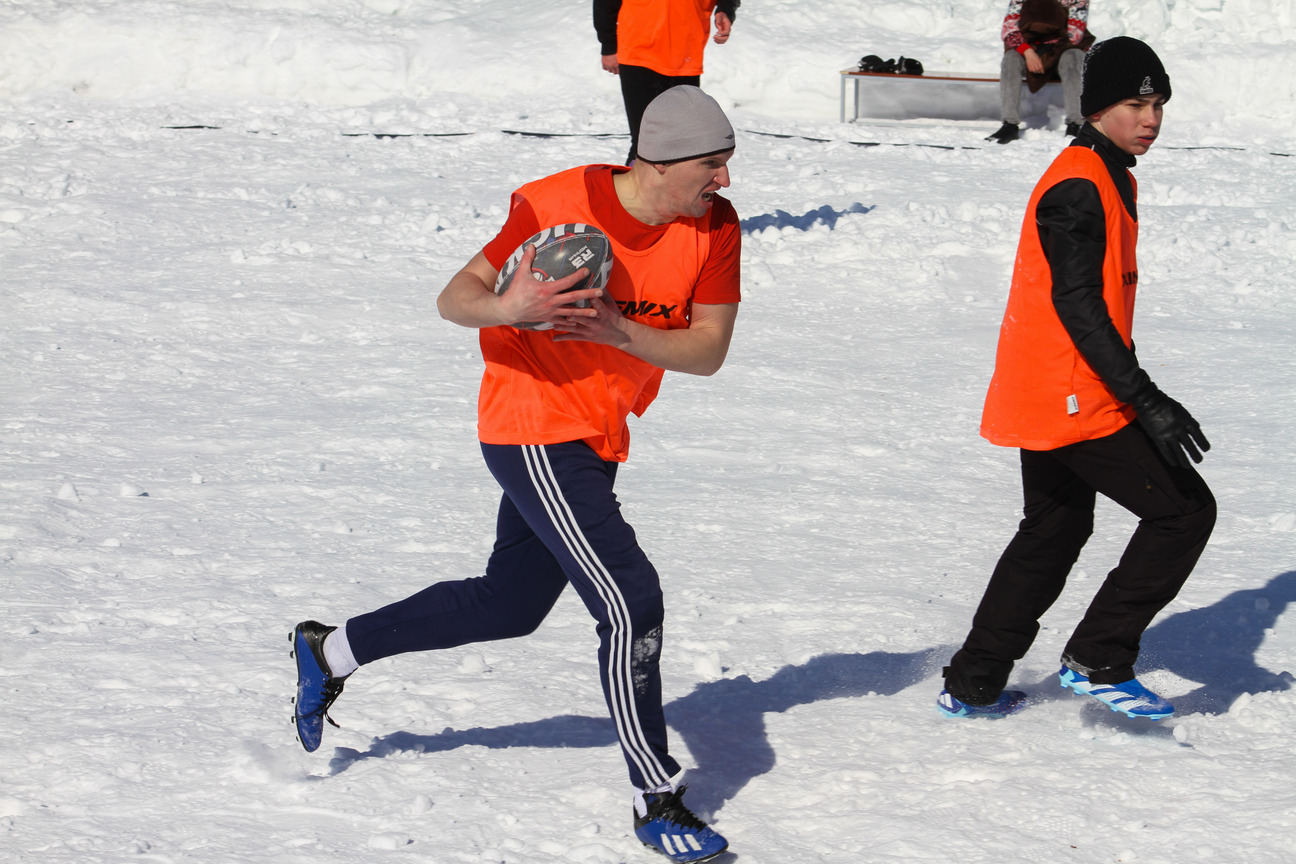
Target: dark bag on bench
(903, 66)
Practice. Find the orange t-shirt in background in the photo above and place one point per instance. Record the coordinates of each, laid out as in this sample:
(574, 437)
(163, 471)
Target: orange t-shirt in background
(666, 36)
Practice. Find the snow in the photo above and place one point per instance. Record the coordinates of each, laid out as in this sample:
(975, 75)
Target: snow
(229, 405)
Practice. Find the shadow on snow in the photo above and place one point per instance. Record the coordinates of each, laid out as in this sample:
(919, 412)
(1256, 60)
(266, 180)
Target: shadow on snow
(721, 722)
(782, 219)
(1216, 645)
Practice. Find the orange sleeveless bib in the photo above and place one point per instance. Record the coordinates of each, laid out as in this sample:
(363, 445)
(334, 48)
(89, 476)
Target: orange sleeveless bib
(538, 391)
(1043, 394)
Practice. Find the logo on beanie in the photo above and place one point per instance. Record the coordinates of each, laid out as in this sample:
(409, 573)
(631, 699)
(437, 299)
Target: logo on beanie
(1146, 88)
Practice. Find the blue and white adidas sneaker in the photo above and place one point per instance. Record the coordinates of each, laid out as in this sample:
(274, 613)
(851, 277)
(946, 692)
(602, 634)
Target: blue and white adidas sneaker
(672, 829)
(1129, 697)
(1009, 702)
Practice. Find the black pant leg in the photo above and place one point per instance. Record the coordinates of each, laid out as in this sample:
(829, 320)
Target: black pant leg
(1176, 513)
(639, 87)
(1058, 519)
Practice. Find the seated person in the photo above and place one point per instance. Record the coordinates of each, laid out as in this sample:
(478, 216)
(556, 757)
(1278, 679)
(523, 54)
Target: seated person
(1044, 40)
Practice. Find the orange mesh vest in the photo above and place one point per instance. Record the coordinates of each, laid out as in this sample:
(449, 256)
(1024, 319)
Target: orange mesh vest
(666, 36)
(1043, 394)
(538, 391)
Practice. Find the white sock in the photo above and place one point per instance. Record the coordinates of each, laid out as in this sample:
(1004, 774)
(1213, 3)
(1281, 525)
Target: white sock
(641, 806)
(337, 653)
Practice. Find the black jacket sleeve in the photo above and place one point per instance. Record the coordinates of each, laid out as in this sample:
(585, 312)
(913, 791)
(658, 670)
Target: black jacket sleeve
(605, 22)
(729, 7)
(1073, 234)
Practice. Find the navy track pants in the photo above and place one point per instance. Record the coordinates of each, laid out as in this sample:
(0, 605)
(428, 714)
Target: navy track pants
(559, 522)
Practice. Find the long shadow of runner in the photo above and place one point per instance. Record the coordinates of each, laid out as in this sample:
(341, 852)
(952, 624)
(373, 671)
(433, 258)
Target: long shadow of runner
(721, 722)
(1216, 646)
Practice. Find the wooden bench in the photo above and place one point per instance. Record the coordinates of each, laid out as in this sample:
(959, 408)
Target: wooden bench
(854, 76)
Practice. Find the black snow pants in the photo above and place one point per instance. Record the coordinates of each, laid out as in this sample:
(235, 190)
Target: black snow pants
(1176, 512)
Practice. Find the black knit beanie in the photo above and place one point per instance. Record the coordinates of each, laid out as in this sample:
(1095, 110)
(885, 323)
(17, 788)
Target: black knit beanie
(1120, 68)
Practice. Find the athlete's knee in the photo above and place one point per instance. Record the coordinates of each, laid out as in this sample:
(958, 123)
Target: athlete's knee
(1198, 513)
(639, 588)
(1201, 522)
(1187, 531)
(1080, 530)
(647, 610)
(518, 610)
(516, 626)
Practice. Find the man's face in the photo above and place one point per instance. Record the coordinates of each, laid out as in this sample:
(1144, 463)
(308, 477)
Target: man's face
(689, 187)
(1132, 124)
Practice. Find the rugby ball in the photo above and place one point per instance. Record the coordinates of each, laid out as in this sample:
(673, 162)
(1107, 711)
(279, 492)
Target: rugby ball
(561, 250)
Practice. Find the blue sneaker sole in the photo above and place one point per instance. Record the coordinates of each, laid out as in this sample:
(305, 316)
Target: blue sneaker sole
(1008, 704)
(310, 726)
(710, 856)
(310, 743)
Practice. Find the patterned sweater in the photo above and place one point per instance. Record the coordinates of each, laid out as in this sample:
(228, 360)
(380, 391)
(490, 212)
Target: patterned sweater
(1077, 21)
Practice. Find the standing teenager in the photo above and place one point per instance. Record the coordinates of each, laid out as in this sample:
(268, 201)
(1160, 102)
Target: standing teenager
(1068, 391)
(552, 424)
(654, 45)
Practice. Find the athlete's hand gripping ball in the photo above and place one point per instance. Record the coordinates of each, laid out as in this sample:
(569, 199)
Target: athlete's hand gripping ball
(557, 254)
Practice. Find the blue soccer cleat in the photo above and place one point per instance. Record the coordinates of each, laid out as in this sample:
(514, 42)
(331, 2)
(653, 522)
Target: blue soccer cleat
(673, 830)
(317, 688)
(1009, 702)
(1129, 697)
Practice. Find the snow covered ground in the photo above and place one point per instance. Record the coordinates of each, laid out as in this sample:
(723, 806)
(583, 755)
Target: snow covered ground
(227, 404)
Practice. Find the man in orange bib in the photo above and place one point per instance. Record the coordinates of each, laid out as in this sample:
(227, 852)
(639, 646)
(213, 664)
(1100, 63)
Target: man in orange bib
(1069, 392)
(552, 423)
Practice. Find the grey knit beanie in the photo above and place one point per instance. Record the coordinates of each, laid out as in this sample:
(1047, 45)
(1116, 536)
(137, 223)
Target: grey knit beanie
(683, 123)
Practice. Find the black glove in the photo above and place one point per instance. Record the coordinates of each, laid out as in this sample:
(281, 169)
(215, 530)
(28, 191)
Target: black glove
(1171, 426)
